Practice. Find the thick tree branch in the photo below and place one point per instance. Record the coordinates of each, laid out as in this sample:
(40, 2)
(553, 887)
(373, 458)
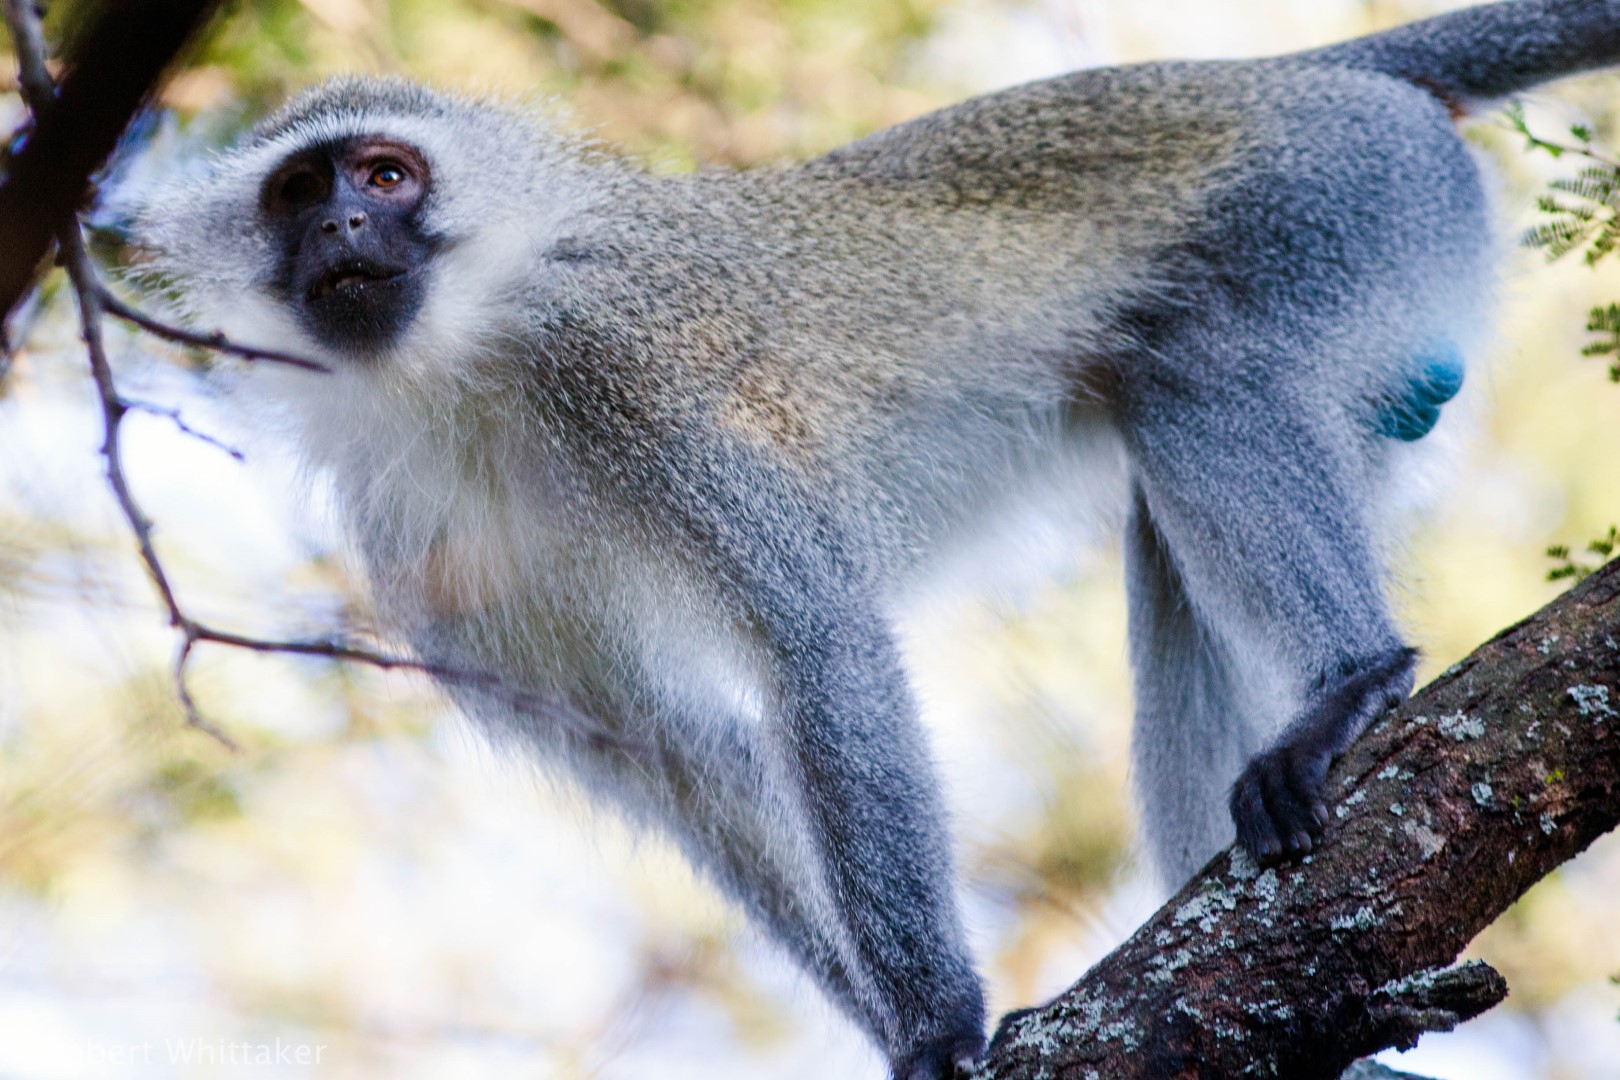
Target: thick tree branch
(1446, 811)
(115, 66)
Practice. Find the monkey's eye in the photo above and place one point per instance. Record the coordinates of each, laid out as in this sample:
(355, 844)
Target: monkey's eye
(386, 175)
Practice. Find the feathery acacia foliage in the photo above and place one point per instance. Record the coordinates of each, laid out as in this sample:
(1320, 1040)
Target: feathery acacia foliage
(1585, 216)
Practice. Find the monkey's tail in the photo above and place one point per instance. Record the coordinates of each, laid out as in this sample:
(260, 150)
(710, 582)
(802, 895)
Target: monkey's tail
(1489, 51)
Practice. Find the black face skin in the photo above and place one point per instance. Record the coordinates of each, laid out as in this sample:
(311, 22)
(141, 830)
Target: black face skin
(353, 252)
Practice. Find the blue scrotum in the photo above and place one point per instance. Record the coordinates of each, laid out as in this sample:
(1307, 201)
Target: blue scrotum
(1410, 409)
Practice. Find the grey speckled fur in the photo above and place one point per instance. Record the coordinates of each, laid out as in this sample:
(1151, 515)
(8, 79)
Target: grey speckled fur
(676, 448)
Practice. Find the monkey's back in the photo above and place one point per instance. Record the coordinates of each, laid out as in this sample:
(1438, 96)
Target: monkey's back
(949, 299)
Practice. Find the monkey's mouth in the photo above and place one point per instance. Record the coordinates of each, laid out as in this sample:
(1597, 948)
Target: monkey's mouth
(350, 277)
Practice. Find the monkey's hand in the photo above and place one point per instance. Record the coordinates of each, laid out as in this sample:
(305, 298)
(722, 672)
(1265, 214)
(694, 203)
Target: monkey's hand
(1277, 802)
(943, 1058)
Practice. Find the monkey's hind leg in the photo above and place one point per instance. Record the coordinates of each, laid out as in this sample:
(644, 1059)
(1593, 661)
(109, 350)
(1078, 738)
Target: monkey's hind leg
(1198, 720)
(1258, 502)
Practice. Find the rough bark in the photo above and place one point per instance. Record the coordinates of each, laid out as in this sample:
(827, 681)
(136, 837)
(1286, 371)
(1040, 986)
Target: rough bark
(1445, 812)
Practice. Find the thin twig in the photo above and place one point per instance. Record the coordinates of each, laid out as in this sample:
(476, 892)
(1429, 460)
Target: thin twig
(216, 341)
(173, 416)
(1584, 150)
(188, 706)
(1519, 125)
(95, 301)
(28, 37)
(81, 273)
(553, 706)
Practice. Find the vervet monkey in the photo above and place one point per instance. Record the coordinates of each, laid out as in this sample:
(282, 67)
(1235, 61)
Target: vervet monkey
(675, 448)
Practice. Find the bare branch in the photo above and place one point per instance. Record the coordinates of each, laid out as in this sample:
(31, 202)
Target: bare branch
(173, 416)
(188, 706)
(553, 707)
(216, 341)
(28, 38)
(81, 273)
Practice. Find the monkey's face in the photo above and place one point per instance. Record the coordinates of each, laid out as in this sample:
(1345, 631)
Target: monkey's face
(385, 230)
(350, 245)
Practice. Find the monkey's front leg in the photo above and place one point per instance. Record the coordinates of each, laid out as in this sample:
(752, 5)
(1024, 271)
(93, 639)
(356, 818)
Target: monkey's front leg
(843, 735)
(877, 827)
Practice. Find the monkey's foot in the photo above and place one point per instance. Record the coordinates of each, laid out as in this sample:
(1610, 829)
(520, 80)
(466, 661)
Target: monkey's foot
(945, 1058)
(1277, 802)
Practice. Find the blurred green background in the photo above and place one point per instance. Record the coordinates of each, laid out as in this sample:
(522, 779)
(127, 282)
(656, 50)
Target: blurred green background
(365, 881)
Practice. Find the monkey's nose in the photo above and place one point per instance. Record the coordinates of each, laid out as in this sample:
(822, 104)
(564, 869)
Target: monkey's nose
(356, 220)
